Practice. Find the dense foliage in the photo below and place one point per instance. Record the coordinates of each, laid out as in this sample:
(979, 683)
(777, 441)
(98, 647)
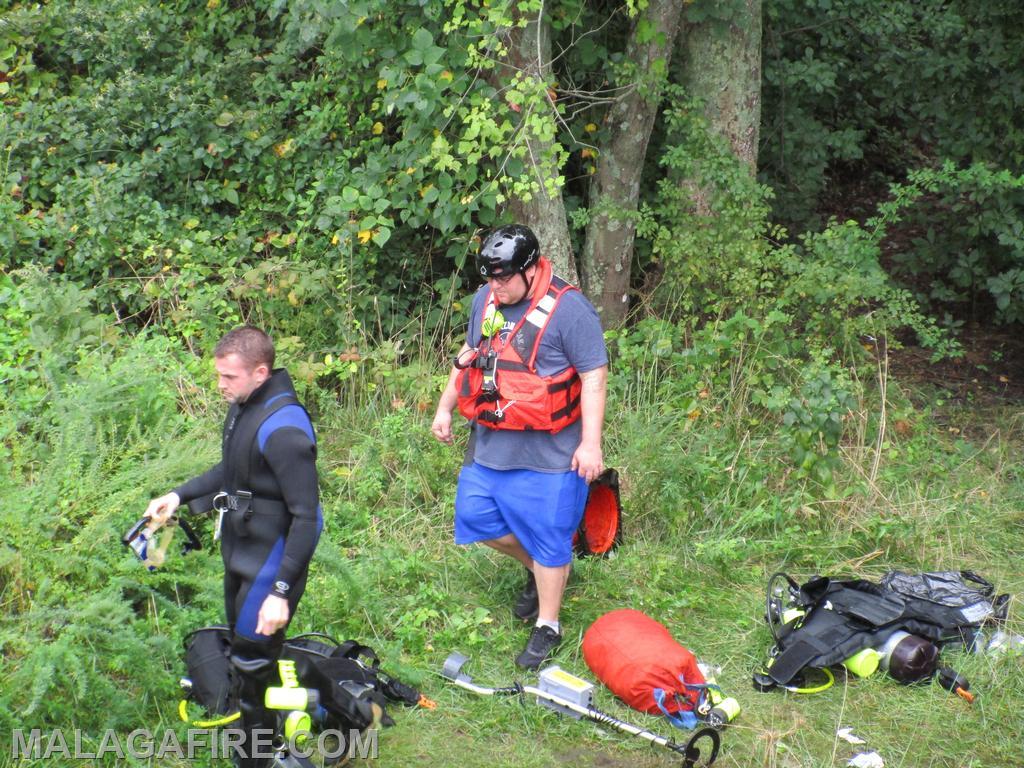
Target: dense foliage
(857, 95)
(259, 160)
(231, 160)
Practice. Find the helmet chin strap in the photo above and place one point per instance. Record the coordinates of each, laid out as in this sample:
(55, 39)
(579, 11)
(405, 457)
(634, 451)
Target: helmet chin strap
(528, 281)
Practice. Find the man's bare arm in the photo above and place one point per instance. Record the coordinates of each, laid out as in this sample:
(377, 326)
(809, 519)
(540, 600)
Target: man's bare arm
(588, 460)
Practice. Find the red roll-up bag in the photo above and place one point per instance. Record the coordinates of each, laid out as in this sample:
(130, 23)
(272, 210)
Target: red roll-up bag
(640, 662)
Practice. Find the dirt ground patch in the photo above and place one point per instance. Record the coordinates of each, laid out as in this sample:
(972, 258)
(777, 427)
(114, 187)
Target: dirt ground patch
(989, 374)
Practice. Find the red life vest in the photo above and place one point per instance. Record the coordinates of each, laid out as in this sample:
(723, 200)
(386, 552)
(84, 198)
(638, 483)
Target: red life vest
(516, 396)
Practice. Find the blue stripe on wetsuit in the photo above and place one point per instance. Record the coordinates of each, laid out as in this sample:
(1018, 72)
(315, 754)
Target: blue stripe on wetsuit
(289, 416)
(258, 591)
(248, 617)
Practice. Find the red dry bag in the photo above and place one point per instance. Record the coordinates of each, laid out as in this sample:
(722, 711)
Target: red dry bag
(636, 657)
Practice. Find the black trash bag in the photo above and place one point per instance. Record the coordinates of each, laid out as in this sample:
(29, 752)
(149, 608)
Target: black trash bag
(962, 598)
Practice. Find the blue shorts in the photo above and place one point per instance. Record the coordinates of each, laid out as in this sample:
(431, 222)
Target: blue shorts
(541, 509)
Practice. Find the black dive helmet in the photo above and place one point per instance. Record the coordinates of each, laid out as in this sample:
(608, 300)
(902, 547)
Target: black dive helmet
(508, 250)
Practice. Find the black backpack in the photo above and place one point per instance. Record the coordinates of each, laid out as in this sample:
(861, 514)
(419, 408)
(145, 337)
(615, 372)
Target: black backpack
(346, 675)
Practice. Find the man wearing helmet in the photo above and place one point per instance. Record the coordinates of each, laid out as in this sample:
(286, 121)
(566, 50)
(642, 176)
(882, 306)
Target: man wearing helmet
(531, 379)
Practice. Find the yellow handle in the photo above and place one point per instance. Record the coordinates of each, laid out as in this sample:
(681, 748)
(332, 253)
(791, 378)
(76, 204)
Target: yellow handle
(286, 698)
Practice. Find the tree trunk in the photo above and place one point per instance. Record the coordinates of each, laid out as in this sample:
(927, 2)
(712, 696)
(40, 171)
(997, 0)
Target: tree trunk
(545, 212)
(615, 189)
(722, 66)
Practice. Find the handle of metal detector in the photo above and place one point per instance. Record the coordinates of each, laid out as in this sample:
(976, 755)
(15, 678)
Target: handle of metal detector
(452, 669)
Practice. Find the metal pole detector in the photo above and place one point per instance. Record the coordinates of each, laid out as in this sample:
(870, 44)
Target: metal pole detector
(570, 695)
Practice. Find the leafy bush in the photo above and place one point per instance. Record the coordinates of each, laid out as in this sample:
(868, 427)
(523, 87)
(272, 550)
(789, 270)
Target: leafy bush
(866, 99)
(81, 638)
(969, 248)
(167, 169)
(744, 379)
(707, 236)
(851, 108)
(717, 257)
(272, 163)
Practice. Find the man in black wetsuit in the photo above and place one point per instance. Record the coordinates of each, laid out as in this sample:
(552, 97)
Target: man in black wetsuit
(266, 485)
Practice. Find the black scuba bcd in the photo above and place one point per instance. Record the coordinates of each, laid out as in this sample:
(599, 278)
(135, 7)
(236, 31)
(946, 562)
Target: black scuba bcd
(831, 620)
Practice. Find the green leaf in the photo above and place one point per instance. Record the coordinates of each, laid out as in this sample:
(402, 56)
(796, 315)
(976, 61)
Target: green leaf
(446, 221)
(224, 119)
(382, 236)
(645, 31)
(422, 40)
(433, 54)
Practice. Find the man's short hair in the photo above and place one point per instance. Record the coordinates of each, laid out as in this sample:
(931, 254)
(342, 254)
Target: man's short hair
(249, 343)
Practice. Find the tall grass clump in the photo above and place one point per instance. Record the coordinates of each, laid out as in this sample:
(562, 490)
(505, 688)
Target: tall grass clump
(89, 640)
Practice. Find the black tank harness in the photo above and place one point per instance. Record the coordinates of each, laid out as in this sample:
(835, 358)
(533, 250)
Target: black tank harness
(840, 618)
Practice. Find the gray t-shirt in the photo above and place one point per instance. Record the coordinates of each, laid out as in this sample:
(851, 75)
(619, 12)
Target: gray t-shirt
(572, 338)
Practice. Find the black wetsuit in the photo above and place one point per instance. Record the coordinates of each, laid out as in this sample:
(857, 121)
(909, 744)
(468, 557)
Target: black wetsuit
(267, 541)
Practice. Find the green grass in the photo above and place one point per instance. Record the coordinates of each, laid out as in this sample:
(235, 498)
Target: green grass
(940, 502)
(90, 640)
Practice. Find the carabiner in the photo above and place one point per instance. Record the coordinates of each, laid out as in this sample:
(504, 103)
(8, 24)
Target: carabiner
(456, 359)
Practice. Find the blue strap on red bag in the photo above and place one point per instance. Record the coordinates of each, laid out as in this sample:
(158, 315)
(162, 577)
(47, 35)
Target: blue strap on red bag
(682, 719)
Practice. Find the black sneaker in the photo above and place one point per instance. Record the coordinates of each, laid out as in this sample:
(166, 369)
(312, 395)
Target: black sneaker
(543, 640)
(527, 604)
